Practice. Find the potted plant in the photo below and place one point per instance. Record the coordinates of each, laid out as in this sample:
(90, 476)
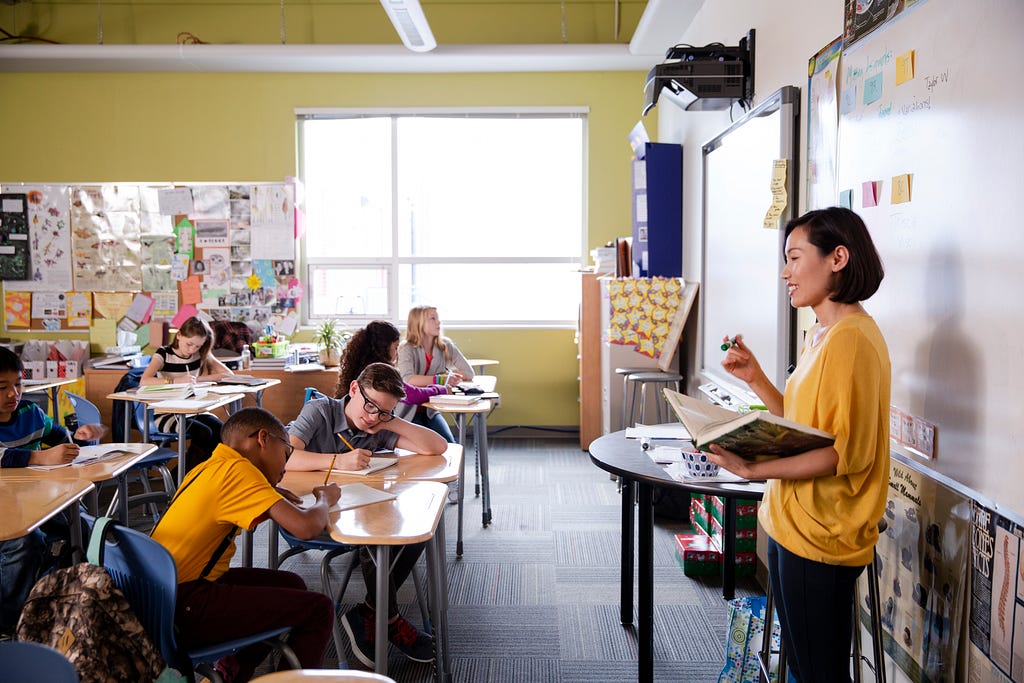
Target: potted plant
(330, 339)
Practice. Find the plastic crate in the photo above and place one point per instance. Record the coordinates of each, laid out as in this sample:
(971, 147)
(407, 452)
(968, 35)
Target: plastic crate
(270, 350)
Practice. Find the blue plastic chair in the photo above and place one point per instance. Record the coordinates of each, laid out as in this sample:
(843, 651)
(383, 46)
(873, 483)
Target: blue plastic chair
(145, 572)
(28, 662)
(87, 413)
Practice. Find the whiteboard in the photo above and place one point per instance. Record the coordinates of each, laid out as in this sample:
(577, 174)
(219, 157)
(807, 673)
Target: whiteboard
(949, 306)
(741, 292)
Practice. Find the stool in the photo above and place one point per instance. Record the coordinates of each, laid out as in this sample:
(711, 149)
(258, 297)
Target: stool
(625, 373)
(656, 377)
(878, 666)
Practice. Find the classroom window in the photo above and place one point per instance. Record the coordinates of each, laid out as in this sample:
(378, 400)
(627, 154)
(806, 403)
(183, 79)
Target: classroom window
(480, 214)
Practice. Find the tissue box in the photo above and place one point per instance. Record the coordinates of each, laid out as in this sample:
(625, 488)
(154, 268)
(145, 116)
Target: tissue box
(270, 349)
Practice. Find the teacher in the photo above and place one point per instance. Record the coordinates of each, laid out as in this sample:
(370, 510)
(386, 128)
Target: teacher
(821, 508)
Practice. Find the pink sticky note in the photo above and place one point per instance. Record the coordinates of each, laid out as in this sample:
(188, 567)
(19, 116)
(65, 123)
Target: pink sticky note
(190, 293)
(184, 313)
(869, 195)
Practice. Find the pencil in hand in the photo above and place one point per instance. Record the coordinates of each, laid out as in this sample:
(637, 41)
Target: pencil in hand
(335, 457)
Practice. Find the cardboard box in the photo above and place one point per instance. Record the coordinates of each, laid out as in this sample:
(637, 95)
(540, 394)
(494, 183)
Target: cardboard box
(746, 539)
(34, 369)
(746, 511)
(697, 555)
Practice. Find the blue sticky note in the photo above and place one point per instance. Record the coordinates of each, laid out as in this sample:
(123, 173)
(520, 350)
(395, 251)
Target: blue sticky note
(848, 100)
(872, 88)
(846, 199)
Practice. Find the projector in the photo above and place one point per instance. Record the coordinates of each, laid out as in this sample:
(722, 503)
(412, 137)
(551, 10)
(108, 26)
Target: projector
(707, 78)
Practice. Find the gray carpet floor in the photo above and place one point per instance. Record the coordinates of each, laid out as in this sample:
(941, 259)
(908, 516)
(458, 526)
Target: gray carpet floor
(535, 596)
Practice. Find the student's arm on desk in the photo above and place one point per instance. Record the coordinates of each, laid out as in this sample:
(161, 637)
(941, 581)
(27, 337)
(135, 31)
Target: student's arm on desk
(306, 523)
(149, 375)
(821, 462)
(309, 461)
(215, 370)
(415, 438)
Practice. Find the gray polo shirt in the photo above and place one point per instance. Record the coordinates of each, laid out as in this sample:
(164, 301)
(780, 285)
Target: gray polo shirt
(322, 419)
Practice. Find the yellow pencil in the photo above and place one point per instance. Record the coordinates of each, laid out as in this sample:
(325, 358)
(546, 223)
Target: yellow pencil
(335, 457)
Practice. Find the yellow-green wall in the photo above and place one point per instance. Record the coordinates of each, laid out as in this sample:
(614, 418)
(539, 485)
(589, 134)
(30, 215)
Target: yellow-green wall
(241, 127)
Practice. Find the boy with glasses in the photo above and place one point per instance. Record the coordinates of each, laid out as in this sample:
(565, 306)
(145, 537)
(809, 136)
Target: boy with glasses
(364, 419)
(236, 488)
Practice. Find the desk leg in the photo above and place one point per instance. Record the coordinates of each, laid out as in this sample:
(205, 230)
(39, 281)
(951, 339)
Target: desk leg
(439, 600)
(380, 642)
(246, 548)
(485, 466)
(182, 429)
(645, 560)
(122, 498)
(259, 398)
(729, 550)
(128, 413)
(54, 408)
(272, 540)
(75, 520)
(626, 562)
(460, 424)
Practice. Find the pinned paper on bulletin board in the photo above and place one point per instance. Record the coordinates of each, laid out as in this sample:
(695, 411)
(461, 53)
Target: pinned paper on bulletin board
(186, 241)
(111, 304)
(184, 313)
(79, 309)
(190, 290)
(17, 309)
(780, 197)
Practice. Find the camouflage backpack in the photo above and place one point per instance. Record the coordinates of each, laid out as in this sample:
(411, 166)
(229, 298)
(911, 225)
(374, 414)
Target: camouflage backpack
(81, 613)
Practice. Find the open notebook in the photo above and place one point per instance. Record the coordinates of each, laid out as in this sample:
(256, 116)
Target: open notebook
(88, 455)
(353, 496)
(377, 463)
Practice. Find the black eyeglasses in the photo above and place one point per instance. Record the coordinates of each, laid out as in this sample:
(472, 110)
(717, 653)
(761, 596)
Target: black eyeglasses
(289, 449)
(372, 408)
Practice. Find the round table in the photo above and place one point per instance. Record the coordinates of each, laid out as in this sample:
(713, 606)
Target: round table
(640, 475)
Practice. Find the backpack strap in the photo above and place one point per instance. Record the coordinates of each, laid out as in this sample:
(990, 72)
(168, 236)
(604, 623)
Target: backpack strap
(228, 539)
(94, 555)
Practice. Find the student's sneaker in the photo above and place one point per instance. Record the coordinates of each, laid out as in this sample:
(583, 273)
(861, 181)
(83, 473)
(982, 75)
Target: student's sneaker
(453, 493)
(413, 643)
(358, 623)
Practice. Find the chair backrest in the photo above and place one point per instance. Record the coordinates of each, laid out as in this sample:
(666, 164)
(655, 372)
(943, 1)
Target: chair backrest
(86, 412)
(145, 572)
(35, 662)
(130, 380)
(313, 393)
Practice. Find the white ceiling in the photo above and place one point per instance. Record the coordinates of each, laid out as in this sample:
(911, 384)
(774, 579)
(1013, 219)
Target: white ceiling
(662, 24)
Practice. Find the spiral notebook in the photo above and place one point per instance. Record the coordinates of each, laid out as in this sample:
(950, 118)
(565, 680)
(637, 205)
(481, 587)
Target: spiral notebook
(353, 496)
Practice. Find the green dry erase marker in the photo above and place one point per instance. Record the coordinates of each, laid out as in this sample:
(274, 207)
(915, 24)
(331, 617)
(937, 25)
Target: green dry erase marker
(729, 343)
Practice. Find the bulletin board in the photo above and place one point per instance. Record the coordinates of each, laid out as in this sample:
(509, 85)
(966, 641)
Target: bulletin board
(122, 255)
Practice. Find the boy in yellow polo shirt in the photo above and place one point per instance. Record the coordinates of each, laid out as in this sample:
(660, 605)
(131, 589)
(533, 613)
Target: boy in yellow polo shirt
(236, 489)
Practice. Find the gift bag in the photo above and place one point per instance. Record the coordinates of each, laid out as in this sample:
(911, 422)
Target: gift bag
(744, 635)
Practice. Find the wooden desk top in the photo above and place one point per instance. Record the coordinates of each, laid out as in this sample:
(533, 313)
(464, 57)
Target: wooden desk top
(29, 385)
(481, 406)
(26, 504)
(94, 472)
(443, 468)
(200, 405)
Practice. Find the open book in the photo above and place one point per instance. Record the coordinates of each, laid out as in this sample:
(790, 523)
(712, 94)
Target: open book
(749, 434)
(455, 399)
(244, 380)
(376, 463)
(167, 391)
(87, 455)
(353, 496)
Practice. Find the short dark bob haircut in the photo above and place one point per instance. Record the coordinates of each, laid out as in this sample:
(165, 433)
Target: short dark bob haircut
(835, 226)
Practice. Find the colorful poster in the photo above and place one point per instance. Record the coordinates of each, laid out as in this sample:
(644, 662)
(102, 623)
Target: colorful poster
(924, 554)
(642, 312)
(105, 238)
(49, 231)
(79, 306)
(17, 309)
(997, 597)
(14, 258)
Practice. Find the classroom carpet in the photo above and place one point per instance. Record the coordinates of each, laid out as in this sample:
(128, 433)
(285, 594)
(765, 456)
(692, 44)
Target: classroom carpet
(535, 596)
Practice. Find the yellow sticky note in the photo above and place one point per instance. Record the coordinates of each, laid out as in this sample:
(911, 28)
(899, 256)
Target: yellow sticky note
(901, 188)
(905, 67)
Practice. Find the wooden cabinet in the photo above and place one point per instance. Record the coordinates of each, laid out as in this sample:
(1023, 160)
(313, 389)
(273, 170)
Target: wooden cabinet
(589, 340)
(283, 400)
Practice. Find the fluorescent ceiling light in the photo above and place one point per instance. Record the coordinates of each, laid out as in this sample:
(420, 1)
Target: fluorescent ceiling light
(411, 24)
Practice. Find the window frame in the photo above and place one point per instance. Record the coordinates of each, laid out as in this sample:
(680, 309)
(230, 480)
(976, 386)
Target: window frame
(393, 263)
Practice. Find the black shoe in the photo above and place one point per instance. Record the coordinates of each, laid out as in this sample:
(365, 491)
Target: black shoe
(413, 643)
(358, 623)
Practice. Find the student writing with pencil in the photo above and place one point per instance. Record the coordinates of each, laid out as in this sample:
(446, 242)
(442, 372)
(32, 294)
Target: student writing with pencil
(189, 359)
(343, 432)
(821, 508)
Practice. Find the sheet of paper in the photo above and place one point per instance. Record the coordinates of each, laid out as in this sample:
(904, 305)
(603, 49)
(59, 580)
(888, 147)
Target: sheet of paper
(665, 455)
(665, 431)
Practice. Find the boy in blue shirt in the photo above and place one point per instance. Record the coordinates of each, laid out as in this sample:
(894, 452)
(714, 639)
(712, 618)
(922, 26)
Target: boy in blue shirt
(24, 430)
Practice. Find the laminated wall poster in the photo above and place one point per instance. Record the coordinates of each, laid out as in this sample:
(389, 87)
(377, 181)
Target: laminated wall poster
(105, 223)
(49, 232)
(14, 259)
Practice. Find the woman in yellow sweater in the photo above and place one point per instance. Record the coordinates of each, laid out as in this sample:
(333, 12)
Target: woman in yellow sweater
(821, 508)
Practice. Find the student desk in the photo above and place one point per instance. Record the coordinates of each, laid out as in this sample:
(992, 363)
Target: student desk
(323, 676)
(479, 411)
(189, 406)
(478, 364)
(414, 516)
(625, 458)
(27, 503)
(254, 390)
(51, 385)
(105, 470)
